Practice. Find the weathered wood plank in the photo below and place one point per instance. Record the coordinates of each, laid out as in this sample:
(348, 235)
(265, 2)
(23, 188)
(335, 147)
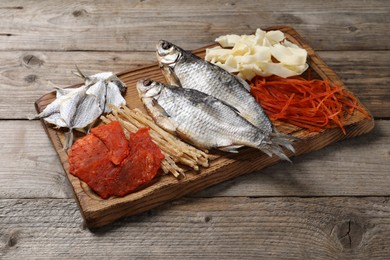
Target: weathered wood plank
(137, 25)
(229, 225)
(212, 228)
(99, 212)
(29, 164)
(356, 167)
(347, 168)
(25, 74)
(366, 74)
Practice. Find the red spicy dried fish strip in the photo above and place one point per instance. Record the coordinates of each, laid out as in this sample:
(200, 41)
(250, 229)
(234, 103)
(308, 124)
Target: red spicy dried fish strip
(112, 166)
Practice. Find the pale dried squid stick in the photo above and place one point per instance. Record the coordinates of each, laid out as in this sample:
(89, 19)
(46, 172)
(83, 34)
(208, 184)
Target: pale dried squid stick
(168, 165)
(105, 120)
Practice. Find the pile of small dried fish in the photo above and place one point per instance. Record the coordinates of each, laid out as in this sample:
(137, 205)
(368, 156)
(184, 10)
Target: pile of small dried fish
(78, 108)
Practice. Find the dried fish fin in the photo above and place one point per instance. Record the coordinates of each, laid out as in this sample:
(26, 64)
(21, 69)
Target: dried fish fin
(243, 82)
(170, 76)
(159, 115)
(102, 76)
(78, 73)
(60, 92)
(230, 148)
(68, 139)
(284, 140)
(278, 152)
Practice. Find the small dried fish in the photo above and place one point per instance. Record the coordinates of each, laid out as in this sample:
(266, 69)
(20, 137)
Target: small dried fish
(78, 108)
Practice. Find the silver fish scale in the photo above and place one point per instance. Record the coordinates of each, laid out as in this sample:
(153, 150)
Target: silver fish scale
(206, 121)
(203, 76)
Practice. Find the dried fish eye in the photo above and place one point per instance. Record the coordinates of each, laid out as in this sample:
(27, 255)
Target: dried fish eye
(166, 45)
(147, 82)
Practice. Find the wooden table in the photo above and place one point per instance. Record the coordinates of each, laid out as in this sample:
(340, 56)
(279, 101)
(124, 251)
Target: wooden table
(333, 203)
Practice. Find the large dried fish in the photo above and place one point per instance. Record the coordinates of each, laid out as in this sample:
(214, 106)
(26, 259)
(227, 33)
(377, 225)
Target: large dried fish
(78, 108)
(204, 120)
(182, 68)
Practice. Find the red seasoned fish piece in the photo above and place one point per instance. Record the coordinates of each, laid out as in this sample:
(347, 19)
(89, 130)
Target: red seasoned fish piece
(86, 156)
(113, 137)
(142, 164)
(102, 182)
(89, 159)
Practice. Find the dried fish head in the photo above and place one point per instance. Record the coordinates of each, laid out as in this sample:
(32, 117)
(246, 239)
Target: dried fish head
(148, 88)
(113, 97)
(118, 83)
(167, 53)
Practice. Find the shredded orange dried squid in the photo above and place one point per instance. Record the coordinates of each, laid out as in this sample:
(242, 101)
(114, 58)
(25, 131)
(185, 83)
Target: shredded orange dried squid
(310, 104)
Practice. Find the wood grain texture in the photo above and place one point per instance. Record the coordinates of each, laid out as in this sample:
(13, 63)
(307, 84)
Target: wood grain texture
(211, 228)
(39, 219)
(29, 165)
(366, 74)
(98, 212)
(26, 75)
(137, 25)
(356, 167)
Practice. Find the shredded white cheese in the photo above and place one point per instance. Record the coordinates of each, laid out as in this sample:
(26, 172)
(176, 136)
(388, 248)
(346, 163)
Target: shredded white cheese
(264, 54)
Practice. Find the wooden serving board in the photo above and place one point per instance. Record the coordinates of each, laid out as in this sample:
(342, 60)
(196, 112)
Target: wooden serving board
(98, 212)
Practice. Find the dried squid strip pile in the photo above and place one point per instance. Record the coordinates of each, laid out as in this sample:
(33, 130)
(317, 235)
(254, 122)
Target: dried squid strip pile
(174, 150)
(310, 104)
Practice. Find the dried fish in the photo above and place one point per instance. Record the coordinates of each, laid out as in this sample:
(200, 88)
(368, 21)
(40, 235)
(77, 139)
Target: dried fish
(79, 108)
(205, 121)
(184, 69)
